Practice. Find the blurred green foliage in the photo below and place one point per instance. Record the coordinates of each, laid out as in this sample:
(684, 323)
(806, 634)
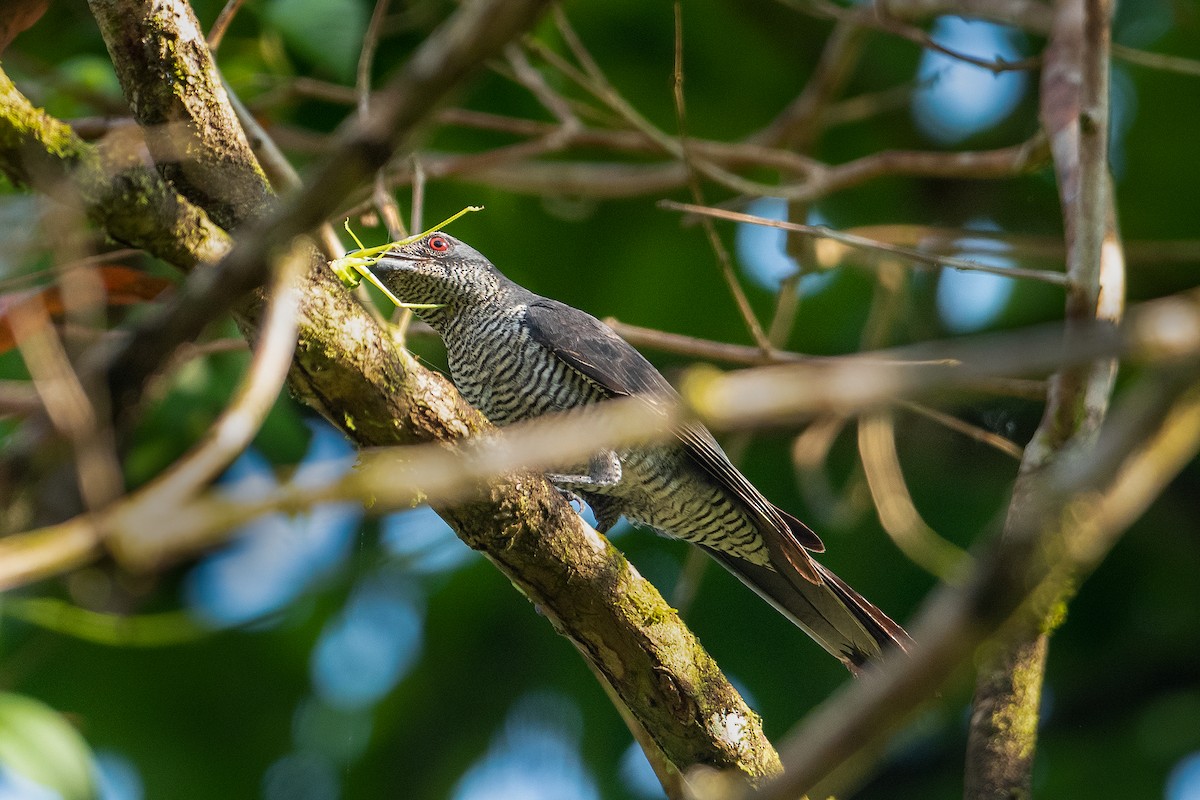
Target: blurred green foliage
(213, 717)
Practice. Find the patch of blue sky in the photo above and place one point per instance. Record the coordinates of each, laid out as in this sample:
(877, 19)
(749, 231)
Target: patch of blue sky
(370, 646)
(117, 778)
(1183, 783)
(637, 774)
(277, 557)
(762, 251)
(970, 301)
(423, 542)
(16, 786)
(957, 99)
(535, 756)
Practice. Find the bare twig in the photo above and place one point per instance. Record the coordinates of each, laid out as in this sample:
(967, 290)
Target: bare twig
(993, 440)
(217, 32)
(1034, 16)
(722, 254)
(877, 17)
(533, 80)
(18, 397)
(1164, 329)
(752, 356)
(366, 57)
(67, 403)
(1184, 66)
(908, 254)
(798, 125)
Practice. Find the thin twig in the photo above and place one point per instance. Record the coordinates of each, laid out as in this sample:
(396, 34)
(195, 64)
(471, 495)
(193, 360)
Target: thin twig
(994, 440)
(66, 400)
(1168, 63)
(620, 179)
(535, 82)
(876, 16)
(19, 398)
(381, 197)
(800, 123)
(906, 253)
(217, 32)
(718, 247)
(366, 56)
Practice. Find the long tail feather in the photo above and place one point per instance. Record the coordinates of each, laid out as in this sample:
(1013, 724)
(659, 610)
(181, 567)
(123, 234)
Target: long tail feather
(841, 620)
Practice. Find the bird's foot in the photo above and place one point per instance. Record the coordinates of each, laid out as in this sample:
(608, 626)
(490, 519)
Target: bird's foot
(576, 502)
(604, 471)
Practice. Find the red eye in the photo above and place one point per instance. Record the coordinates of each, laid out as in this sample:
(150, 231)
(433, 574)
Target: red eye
(438, 244)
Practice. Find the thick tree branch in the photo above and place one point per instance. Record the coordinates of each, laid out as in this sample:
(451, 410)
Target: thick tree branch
(112, 186)
(346, 367)
(175, 92)
(1074, 112)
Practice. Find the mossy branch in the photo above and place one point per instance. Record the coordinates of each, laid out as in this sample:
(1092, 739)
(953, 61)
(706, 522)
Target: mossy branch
(347, 368)
(115, 189)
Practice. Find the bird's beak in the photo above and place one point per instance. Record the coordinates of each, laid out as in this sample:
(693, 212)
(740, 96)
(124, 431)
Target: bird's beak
(395, 261)
(401, 258)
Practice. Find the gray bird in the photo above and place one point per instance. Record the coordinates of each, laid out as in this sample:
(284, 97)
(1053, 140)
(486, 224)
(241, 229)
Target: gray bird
(515, 355)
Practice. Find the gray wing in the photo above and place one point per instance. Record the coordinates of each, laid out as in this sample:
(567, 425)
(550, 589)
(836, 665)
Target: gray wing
(595, 351)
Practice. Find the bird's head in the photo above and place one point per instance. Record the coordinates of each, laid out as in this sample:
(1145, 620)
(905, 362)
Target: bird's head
(438, 268)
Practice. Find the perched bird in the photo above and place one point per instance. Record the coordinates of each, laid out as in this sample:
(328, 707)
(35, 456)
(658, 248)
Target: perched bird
(515, 355)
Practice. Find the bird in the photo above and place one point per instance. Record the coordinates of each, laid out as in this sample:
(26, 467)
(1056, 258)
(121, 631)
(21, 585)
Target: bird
(515, 355)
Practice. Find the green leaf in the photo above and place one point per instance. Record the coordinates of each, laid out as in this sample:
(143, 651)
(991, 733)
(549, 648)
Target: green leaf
(37, 743)
(328, 33)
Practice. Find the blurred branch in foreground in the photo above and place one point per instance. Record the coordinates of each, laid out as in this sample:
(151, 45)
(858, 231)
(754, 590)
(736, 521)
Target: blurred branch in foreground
(1165, 330)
